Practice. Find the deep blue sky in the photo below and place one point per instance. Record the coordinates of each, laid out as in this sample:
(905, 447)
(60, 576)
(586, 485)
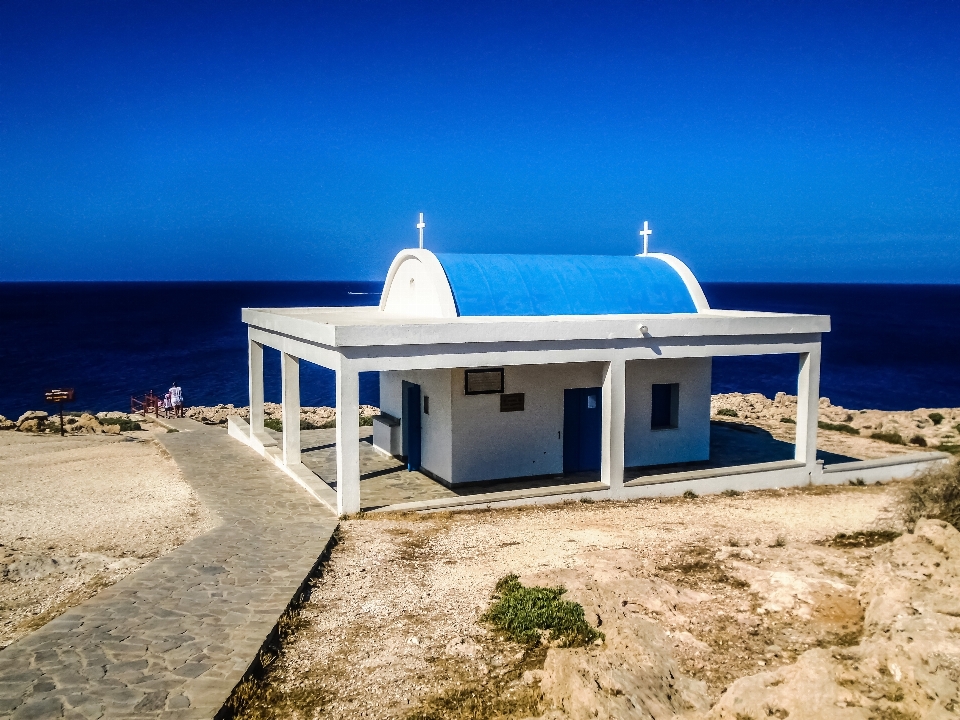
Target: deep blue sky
(763, 141)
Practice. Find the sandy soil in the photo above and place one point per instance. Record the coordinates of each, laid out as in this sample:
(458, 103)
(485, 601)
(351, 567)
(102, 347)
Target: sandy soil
(729, 585)
(79, 513)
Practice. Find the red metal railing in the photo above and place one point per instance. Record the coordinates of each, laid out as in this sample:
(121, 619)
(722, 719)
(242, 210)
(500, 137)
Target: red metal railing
(150, 404)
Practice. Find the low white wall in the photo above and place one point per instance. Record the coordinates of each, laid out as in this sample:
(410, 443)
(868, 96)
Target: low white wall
(690, 440)
(898, 467)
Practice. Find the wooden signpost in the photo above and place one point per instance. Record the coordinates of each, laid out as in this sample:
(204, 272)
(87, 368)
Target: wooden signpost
(60, 397)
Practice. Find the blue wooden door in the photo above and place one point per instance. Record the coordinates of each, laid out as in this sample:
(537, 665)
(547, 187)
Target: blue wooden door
(582, 429)
(410, 424)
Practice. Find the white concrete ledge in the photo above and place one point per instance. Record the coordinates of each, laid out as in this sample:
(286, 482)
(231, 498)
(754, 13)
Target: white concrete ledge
(506, 498)
(266, 446)
(896, 467)
(724, 472)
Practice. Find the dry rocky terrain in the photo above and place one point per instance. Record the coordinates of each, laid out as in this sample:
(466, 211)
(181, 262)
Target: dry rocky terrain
(766, 604)
(79, 513)
(846, 431)
(318, 417)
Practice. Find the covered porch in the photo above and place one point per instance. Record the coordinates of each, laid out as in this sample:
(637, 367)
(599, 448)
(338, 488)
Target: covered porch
(341, 468)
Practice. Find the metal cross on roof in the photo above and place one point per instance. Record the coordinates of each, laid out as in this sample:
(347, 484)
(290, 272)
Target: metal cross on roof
(421, 225)
(645, 234)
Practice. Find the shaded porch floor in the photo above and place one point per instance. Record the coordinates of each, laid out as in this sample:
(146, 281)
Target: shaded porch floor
(385, 481)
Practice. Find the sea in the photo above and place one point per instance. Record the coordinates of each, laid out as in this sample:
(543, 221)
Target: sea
(891, 347)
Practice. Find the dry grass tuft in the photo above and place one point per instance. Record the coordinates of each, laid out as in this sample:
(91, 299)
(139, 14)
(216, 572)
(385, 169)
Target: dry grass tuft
(934, 495)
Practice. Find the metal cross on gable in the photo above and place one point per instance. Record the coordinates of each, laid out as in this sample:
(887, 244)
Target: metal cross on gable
(645, 234)
(421, 225)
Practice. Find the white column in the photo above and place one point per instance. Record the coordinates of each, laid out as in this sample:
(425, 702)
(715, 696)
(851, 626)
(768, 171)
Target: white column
(256, 387)
(613, 407)
(348, 440)
(808, 406)
(290, 375)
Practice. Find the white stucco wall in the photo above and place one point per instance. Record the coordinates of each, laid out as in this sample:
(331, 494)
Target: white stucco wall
(435, 428)
(489, 444)
(690, 440)
(466, 438)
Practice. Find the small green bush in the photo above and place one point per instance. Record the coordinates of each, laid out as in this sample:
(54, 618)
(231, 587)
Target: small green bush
(838, 427)
(366, 420)
(728, 412)
(522, 612)
(936, 418)
(788, 420)
(731, 493)
(273, 423)
(890, 437)
(918, 440)
(951, 448)
(126, 424)
(690, 495)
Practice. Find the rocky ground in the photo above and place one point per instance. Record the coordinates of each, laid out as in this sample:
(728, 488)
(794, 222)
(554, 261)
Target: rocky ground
(746, 606)
(79, 513)
(864, 434)
(317, 417)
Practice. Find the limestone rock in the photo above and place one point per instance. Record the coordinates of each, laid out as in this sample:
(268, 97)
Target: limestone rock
(37, 415)
(87, 424)
(911, 425)
(316, 416)
(30, 425)
(633, 673)
(6, 424)
(906, 662)
(111, 429)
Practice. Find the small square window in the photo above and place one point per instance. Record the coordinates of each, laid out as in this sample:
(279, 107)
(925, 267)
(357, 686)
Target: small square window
(665, 406)
(426, 405)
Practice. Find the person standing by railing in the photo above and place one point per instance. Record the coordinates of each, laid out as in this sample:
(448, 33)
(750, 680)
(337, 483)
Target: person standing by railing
(176, 397)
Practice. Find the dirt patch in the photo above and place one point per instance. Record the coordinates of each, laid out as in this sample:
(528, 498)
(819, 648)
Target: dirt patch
(79, 513)
(720, 587)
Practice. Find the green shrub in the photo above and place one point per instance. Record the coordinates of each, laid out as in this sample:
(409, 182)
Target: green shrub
(838, 427)
(728, 412)
(126, 425)
(951, 448)
(890, 437)
(731, 493)
(690, 495)
(918, 440)
(366, 420)
(273, 423)
(936, 418)
(935, 494)
(522, 612)
(788, 420)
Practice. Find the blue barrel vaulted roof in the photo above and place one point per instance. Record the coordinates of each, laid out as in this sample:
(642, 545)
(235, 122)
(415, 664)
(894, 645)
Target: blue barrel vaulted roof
(511, 285)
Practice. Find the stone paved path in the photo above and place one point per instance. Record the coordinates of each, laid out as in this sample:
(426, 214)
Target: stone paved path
(174, 638)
